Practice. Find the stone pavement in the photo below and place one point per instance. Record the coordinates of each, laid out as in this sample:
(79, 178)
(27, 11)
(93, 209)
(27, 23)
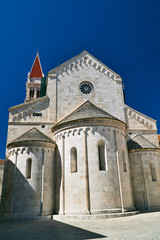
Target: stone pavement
(144, 226)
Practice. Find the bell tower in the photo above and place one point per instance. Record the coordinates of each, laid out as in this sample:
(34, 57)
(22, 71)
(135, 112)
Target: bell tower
(33, 85)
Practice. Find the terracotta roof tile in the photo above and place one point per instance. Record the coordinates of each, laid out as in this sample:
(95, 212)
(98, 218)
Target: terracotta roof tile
(36, 71)
(2, 162)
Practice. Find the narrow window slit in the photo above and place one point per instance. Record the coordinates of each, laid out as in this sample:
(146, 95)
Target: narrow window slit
(153, 172)
(101, 155)
(28, 168)
(31, 92)
(73, 160)
(124, 161)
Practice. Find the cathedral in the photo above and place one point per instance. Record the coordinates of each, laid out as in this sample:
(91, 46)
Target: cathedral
(75, 148)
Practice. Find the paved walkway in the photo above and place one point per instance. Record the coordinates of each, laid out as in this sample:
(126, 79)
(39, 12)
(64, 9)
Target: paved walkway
(139, 227)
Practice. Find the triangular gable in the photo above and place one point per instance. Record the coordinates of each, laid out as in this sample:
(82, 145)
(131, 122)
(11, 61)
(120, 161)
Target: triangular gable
(32, 135)
(140, 142)
(86, 111)
(87, 58)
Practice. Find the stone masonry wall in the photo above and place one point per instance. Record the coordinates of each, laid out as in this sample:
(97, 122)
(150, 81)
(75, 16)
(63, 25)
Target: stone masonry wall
(139, 123)
(104, 189)
(146, 191)
(65, 95)
(26, 196)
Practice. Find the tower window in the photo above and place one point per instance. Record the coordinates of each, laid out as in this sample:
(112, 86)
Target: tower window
(101, 155)
(28, 168)
(31, 92)
(153, 172)
(38, 93)
(73, 160)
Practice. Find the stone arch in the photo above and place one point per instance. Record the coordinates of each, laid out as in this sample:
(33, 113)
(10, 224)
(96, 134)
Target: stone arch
(14, 118)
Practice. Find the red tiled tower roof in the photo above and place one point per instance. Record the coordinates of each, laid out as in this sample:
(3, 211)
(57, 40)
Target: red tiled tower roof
(2, 162)
(36, 71)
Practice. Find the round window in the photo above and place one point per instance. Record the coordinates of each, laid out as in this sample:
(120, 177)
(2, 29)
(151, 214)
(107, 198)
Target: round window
(86, 87)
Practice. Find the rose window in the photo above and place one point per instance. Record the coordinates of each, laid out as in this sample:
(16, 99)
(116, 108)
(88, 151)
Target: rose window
(86, 87)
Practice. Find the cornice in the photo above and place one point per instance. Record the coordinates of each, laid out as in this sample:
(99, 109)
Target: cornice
(140, 113)
(89, 122)
(87, 59)
(142, 130)
(30, 123)
(30, 143)
(144, 149)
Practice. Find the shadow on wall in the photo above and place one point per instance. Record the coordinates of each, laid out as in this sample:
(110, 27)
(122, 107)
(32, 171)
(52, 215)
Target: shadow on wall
(18, 196)
(58, 177)
(1, 178)
(49, 229)
(24, 195)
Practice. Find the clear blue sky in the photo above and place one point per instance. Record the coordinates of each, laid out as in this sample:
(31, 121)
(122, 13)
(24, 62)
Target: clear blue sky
(123, 34)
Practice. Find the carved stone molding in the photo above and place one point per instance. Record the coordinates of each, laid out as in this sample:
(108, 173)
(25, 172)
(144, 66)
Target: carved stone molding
(82, 62)
(131, 114)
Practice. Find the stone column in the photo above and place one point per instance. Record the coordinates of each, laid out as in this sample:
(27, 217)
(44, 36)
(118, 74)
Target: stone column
(146, 198)
(35, 92)
(119, 173)
(129, 172)
(86, 173)
(42, 182)
(63, 175)
(28, 93)
(14, 175)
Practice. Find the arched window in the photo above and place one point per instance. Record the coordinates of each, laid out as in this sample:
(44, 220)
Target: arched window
(28, 168)
(38, 93)
(153, 172)
(124, 161)
(101, 155)
(31, 92)
(73, 160)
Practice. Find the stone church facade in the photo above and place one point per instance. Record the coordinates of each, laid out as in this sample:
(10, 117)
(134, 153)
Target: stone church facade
(75, 148)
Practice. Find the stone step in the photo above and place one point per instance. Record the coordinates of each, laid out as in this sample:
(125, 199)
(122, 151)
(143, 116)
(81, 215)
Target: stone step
(95, 216)
(68, 217)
